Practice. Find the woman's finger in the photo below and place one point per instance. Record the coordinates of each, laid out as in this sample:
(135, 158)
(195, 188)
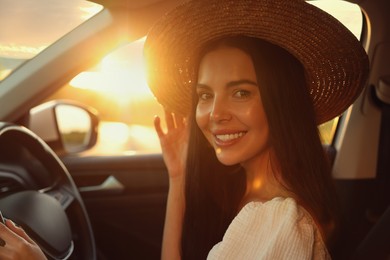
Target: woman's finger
(157, 127)
(18, 230)
(179, 121)
(10, 233)
(18, 245)
(3, 234)
(169, 119)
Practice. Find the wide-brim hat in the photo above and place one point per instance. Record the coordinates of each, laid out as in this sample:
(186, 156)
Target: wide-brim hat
(335, 62)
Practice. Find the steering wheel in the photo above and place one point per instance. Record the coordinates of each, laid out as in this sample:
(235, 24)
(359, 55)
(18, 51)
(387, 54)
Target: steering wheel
(38, 193)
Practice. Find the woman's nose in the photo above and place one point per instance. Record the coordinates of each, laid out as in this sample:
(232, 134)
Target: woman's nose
(220, 111)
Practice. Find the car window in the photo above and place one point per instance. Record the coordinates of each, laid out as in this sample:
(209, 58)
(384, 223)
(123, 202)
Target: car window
(116, 87)
(29, 26)
(351, 16)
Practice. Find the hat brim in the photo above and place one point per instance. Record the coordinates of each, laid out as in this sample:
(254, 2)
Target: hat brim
(335, 62)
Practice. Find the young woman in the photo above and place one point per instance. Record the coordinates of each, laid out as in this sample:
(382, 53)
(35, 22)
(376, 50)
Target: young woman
(248, 176)
(245, 84)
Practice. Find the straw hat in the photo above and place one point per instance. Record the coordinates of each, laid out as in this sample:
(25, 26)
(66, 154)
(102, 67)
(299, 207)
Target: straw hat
(335, 62)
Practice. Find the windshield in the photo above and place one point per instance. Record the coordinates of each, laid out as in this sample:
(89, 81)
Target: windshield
(29, 26)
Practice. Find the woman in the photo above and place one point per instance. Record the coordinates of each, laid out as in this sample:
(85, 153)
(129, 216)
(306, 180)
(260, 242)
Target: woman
(244, 84)
(248, 176)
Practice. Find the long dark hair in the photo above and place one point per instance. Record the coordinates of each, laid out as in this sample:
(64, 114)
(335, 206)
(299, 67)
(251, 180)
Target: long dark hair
(213, 191)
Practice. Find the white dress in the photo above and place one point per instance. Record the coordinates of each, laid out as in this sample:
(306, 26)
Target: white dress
(276, 229)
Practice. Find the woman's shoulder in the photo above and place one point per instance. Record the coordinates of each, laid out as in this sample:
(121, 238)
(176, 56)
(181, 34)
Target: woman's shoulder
(279, 228)
(271, 206)
(278, 209)
(279, 216)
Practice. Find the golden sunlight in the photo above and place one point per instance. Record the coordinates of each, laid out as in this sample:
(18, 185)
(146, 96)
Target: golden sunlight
(348, 13)
(257, 184)
(120, 75)
(88, 9)
(114, 133)
(119, 138)
(17, 51)
(4, 73)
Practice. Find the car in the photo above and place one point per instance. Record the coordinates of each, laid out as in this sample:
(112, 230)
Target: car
(81, 169)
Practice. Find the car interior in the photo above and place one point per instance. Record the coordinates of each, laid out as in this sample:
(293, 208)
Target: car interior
(60, 181)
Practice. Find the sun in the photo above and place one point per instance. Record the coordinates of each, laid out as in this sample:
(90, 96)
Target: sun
(120, 75)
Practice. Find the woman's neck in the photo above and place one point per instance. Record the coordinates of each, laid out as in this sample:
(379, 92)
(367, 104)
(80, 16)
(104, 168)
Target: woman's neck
(263, 179)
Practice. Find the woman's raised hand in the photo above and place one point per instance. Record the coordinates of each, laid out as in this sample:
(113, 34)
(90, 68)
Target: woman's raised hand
(174, 143)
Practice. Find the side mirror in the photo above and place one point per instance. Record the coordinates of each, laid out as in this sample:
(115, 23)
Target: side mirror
(66, 126)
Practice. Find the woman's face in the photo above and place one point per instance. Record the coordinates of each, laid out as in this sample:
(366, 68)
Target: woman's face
(229, 110)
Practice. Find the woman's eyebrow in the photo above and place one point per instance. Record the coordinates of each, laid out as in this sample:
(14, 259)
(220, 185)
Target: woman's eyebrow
(202, 86)
(229, 84)
(240, 82)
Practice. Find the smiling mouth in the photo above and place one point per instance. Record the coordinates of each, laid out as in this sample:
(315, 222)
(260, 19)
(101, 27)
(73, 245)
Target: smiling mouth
(230, 137)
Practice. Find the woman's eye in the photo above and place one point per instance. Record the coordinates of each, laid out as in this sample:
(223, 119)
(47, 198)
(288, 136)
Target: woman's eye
(242, 94)
(204, 96)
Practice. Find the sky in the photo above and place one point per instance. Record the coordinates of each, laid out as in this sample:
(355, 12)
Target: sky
(31, 25)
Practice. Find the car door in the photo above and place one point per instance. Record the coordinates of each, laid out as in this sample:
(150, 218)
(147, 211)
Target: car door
(125, 198)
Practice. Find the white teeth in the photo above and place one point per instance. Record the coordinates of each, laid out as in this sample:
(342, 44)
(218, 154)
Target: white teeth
(229, 137)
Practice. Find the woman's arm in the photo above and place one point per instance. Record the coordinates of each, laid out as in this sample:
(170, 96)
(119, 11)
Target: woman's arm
(174, 145)
(171, 246)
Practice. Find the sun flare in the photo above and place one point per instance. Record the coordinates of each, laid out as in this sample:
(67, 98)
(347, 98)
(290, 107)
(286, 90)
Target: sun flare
(120, 75)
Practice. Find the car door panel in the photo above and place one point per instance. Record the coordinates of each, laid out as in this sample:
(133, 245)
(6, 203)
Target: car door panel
(128, 216)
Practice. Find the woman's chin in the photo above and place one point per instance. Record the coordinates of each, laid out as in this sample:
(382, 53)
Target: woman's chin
(225, 158)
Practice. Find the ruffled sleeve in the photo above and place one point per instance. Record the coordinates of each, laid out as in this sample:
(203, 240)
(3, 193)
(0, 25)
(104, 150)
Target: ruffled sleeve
(277, 229)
